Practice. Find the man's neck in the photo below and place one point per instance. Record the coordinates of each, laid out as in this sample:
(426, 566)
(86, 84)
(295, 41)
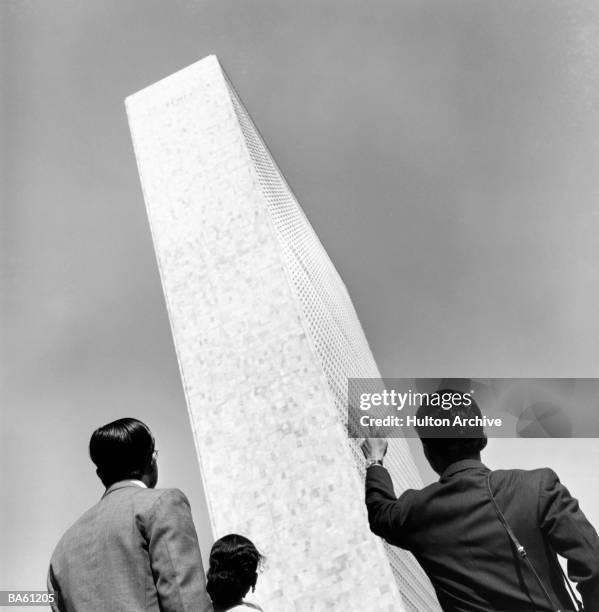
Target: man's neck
(442, 467)
(134, 481)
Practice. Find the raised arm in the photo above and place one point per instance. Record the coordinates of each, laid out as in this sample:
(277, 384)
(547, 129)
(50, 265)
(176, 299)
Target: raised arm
(386, 514)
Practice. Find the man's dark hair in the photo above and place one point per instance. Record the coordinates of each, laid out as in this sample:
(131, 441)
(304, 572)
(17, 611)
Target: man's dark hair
(121, 449)
(454, 442)
(232, 570)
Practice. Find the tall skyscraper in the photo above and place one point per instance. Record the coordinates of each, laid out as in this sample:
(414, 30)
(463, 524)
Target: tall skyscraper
(266, 337)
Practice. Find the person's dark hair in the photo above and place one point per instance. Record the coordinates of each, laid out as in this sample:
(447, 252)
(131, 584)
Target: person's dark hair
(455, 442)
(233, 569)
(121, 449)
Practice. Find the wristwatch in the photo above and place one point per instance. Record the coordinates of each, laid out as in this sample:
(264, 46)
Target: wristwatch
(371, 462)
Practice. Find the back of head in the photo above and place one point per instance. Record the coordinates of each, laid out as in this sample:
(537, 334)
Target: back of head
(453, 442)
(122, 449)
(232, 570)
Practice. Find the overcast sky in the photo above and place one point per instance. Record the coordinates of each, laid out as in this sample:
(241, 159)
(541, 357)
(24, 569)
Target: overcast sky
(445, 151)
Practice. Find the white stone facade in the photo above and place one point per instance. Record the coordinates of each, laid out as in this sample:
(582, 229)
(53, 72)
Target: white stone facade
(266, 336)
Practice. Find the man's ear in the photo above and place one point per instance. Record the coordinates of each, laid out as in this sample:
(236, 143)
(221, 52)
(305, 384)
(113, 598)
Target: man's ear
(483, 442)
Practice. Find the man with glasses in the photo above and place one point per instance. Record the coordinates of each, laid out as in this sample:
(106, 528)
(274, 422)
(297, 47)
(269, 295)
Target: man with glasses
(137, 548)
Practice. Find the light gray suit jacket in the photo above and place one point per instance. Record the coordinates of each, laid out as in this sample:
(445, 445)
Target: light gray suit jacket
(135, 550)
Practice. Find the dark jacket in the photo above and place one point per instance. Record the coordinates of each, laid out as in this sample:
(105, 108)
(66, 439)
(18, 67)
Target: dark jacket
(452, 529)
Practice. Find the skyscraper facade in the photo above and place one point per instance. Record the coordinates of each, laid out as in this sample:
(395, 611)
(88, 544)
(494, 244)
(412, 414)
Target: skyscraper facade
(266, 338)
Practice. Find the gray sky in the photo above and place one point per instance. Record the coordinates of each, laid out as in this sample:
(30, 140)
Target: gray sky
(445, 151)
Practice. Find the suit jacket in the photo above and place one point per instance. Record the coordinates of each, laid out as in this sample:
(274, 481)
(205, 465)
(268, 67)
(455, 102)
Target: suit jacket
(452, 529)
(135, 550)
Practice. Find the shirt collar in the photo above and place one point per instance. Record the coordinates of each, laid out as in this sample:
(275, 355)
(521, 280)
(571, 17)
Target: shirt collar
(121, 484)
(464, 464)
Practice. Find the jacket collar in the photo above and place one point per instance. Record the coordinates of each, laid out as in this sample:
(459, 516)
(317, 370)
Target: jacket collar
(464, 464)
(122, 484)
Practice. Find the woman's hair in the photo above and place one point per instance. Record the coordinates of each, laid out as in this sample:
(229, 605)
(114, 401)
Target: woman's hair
(232, 569)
